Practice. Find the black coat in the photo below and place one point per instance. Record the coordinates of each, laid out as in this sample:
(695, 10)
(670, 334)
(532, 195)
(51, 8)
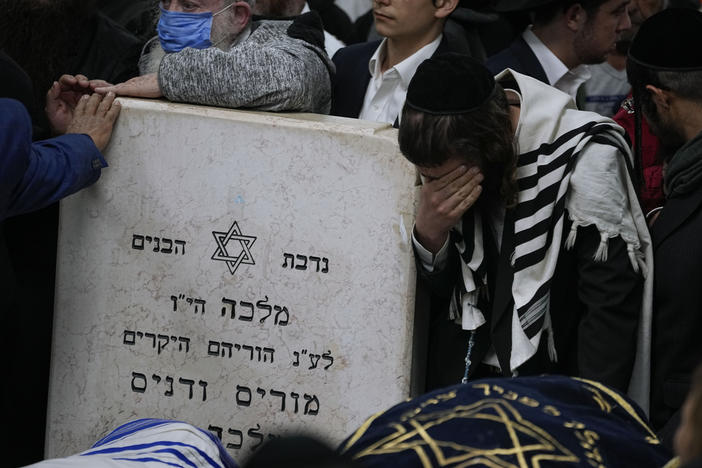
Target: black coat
(677, 303)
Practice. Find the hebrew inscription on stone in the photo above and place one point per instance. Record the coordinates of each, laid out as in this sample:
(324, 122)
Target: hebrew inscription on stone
(248, 273)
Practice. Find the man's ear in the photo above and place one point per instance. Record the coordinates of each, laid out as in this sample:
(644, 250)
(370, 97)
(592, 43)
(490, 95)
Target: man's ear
(444, 8)
(241, 16)
(575, 17)
(660, 97)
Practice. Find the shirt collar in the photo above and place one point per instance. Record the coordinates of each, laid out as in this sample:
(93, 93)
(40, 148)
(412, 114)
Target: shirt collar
(581, 73)
(552, 65)
(408, 66)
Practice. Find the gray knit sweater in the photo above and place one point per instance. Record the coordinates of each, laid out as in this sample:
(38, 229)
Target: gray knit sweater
(269, 70)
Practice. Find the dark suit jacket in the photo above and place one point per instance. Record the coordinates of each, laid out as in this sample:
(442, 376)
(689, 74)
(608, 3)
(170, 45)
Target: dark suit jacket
(352, 76)
(520, 58)
(677, 303)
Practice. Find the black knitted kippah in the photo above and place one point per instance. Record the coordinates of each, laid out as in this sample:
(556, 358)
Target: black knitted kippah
(450, 84)
(669, 41)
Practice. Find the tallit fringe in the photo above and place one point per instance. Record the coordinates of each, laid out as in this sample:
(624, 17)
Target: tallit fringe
(636, 257)
(467, 307)
(548, 328)
(632, 257)
(572, 235)
(602, 249)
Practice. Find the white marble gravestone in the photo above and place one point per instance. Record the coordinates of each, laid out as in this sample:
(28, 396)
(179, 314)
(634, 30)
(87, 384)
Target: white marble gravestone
(249, 273)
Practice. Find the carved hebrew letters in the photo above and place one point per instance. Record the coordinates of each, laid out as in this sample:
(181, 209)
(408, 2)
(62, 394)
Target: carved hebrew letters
(160, 244)
(158, 341)
(243, 398)
(299, 262)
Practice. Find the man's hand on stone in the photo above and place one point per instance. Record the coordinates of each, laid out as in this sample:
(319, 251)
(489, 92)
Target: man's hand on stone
(62, 99)
(145, 86)
(442, 203)
(95, 116)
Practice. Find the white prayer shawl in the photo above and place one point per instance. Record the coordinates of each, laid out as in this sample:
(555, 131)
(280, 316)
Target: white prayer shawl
(569, 160)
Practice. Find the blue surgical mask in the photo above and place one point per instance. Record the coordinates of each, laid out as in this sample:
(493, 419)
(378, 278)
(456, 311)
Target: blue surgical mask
(178, 30)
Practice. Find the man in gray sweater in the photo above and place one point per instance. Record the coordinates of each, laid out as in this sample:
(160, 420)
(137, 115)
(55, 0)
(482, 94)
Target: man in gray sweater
(212, 52)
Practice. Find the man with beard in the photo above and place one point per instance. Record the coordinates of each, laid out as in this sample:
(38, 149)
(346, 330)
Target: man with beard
(666, 77)
(649, 167)
(211, 52)
(565, 37)
(528, 223)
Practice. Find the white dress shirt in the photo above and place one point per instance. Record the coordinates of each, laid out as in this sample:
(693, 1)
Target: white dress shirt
(559, 76)
(387, 91)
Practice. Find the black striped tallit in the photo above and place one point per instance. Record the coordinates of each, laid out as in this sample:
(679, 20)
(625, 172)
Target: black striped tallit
(543, 177)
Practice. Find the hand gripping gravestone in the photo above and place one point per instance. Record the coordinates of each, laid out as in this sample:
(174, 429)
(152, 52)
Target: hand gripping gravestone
(248, 273)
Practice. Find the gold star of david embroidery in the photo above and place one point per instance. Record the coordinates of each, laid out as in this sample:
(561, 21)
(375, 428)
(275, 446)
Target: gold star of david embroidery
(530, 444)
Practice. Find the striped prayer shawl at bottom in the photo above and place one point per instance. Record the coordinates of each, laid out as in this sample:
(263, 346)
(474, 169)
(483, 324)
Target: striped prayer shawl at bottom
(150, 443)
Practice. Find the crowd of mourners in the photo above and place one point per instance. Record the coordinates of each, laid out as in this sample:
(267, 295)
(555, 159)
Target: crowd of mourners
(559, 148)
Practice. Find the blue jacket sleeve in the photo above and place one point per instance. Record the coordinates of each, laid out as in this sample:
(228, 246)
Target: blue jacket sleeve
(34, 175)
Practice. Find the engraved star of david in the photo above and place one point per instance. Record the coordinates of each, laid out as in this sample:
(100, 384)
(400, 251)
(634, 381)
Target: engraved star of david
(235, 236)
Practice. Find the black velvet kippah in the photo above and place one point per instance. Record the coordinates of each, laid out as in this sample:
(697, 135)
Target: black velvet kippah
(450, 84)
(669, 41)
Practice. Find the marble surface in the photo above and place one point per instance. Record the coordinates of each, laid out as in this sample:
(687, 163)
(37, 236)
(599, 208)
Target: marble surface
(249, 273)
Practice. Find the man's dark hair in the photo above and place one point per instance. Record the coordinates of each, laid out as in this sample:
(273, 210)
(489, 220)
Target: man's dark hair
(659, 56)
(482, 137)
(686, 84)
(546, 13)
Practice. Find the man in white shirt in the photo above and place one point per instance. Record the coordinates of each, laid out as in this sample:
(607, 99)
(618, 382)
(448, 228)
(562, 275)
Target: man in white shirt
(387, 89)
(372, 78)
(566, 36)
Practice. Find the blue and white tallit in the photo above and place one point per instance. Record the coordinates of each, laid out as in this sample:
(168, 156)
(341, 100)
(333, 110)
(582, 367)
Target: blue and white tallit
(153, 443)
(571, 161)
